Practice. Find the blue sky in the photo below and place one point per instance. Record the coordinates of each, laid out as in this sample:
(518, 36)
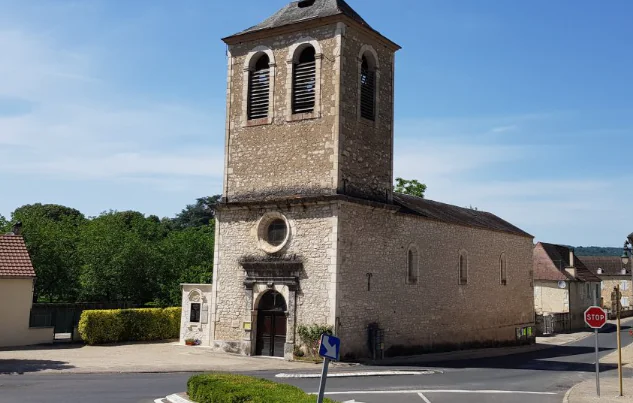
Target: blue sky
(524, 109)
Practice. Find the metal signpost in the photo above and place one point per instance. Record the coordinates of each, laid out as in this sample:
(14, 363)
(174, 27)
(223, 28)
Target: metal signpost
(329, 349)
(618, 295)
(595, 318)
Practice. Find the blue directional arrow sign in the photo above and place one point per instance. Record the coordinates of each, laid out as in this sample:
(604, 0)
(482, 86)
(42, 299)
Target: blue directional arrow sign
(330, 347)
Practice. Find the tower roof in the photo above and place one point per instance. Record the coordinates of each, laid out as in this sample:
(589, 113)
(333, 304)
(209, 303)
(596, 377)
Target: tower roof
(306, 10)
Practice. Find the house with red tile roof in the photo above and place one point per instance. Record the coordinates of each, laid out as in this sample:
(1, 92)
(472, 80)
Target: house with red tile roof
(563, 284)
(17, 278)
(612, 273)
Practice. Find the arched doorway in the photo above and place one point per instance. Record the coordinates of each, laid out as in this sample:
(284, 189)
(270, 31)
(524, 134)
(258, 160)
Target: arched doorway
(271, 325)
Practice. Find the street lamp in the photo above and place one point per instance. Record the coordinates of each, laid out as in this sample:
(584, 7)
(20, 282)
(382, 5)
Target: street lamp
(627, 254)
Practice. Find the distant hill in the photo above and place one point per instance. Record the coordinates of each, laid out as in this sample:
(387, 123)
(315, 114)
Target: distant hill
(597, 251)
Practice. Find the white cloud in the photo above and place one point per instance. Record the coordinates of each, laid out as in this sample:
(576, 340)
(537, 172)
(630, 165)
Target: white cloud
(503, 129)
(82, 127)
(462, 165)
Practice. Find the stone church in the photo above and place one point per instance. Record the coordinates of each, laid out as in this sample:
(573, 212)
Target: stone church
(309, 230)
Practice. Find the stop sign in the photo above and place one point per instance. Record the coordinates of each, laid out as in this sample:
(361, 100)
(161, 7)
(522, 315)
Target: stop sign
(595, 317)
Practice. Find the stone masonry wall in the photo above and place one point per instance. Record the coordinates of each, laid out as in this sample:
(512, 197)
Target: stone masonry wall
(312, 239)
(366, 147)
(436, 310)
(549, 298)
(283, 156)
(609, 283)
(195, 293)
(580, 298)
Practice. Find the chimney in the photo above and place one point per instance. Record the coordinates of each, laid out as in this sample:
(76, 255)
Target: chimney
(17, 228)
(571, 269)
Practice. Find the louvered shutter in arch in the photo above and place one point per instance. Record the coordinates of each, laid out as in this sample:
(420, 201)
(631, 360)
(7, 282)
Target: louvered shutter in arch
(304, 82)
(259, 89)
(367, 91)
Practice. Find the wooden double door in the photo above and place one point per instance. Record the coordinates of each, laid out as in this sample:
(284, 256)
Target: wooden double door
(272, 324)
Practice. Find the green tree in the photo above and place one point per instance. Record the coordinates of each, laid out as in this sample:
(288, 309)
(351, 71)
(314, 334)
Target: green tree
(187, 257)
(51, 233)
(410, 187)
(197, 215)
(4, 225)
(121, 257)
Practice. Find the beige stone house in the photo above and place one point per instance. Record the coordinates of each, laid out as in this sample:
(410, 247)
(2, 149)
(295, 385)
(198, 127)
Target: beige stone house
(562, 285)
(17, 277)
(610, 270)
(309, 230)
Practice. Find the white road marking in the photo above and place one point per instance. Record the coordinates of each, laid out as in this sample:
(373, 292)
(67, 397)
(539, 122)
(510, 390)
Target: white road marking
(427, 391)
(424, 398)
(357, 374)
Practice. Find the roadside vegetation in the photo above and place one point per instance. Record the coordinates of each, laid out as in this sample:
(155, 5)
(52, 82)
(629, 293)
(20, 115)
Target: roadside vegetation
(229, 388)
(118, 256)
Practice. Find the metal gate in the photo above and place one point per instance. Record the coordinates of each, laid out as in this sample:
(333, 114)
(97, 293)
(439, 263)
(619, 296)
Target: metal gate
(553, 323)
(65, 317)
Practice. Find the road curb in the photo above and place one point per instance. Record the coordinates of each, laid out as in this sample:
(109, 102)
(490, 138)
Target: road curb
(360, 374)
(568, 393)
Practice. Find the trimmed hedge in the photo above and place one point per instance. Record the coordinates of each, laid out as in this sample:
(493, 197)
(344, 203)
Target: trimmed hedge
(117, 325)
(229, 388)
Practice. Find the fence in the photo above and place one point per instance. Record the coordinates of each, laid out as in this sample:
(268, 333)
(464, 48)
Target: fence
(553, 323)
(65, 317)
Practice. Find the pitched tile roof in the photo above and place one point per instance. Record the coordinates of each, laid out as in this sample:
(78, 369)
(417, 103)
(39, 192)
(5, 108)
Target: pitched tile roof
(544, 268)
(14, 257)
(455, 215)
(301, 11)
(610, 265)
(559, 258)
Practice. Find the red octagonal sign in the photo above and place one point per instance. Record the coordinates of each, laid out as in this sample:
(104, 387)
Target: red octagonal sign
(595, 317)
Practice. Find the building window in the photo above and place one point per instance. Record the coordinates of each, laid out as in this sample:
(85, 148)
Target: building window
(624, 285)
(259, 89)
(503, 269)
(304, 82)
(277, 231)
(412, 266)
(463, 268)
(367, 90)
(273, 232)
(194, 315)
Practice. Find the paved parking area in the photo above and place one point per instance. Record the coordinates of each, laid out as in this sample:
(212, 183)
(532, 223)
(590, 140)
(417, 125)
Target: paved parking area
(133, 357)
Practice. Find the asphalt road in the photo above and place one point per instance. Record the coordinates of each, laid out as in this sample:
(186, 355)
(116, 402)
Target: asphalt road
(537, 377)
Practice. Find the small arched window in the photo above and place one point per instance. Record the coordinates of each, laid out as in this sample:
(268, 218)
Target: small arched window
(463, 268)
(412, 266)
(304, 82)
(503, 269)
(367, 90)
(259, 89)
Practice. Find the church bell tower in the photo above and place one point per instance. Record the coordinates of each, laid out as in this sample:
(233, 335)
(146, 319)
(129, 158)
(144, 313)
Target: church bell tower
(309, 107)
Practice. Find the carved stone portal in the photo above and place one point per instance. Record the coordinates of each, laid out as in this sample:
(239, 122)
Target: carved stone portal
(278, 275)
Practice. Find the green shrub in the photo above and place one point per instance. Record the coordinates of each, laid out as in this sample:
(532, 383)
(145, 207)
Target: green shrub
(117, 325)
(311, 336)
(228, 388)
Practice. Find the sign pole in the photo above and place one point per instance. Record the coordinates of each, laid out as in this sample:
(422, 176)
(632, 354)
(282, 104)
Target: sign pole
(595, 303)
(329, 349)
(326, 364)
(617, 291)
